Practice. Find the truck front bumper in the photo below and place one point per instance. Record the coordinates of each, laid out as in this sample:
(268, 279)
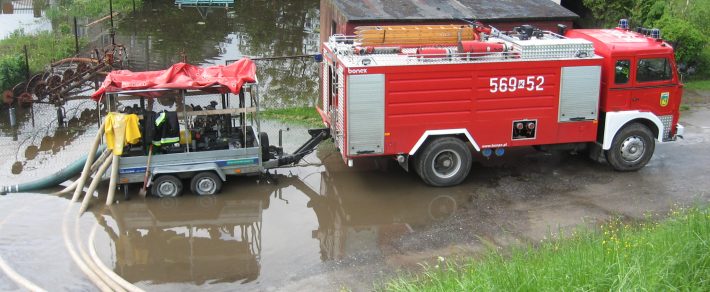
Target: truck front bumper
(680, 130)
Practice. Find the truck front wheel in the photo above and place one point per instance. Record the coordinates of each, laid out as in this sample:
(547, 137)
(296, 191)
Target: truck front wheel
(444, 162)
(631, 148)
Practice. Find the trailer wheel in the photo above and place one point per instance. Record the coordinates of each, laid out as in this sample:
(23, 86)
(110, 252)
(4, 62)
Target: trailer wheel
(444, 162)
(631, 148)
(166, 186)
(264, 141)
(206, 183)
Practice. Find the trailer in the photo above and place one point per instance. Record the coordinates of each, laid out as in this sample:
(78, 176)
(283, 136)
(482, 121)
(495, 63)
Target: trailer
(414, 94)
(195, 124)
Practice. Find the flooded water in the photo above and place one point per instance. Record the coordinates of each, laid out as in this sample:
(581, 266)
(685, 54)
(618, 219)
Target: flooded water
(321, 226)
(23, 15)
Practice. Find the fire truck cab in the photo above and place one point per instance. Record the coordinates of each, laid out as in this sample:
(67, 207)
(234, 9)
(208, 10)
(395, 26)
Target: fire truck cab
(428, 95)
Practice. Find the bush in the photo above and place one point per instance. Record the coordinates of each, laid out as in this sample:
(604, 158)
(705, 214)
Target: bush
(12, 71)
(687, 40)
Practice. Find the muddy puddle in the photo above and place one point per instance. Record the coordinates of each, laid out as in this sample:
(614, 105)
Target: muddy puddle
(318, 226)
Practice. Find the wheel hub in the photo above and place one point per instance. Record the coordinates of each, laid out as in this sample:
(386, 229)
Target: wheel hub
(632, 149)
(206, 186)
(167, 189)
(446, 164)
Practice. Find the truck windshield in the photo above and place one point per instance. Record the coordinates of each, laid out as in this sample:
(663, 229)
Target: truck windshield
(655, 69)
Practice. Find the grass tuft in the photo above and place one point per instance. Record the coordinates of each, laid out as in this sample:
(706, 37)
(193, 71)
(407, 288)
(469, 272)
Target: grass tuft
(671, 255)
(307, 116)
(698, 85)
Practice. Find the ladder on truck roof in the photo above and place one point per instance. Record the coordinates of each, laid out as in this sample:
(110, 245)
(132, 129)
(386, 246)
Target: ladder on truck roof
(414, 34)
(544, 45)
(225, 3)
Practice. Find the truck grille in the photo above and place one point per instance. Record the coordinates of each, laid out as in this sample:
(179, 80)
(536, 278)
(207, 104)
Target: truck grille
(667, 125)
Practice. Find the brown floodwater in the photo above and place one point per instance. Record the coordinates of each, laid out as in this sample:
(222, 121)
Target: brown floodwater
(318, 226)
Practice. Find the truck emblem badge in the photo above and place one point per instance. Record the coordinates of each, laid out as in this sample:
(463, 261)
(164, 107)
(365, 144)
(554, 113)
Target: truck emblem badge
(665, 96)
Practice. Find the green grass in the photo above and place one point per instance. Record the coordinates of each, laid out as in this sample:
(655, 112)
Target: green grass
(698, 84)
(671, 255)
(307, 116)
(89, 8)
(42, 47)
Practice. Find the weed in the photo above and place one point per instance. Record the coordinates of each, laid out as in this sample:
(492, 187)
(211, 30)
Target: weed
(307, 116)
(652, 256)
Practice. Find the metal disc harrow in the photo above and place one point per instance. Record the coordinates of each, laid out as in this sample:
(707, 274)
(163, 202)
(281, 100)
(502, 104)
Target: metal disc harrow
(66, 78)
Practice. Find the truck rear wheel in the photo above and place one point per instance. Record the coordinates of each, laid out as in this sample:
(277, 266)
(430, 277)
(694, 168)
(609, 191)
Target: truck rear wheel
(631, 148)
(444, 162)
(206, 183)
(166, 186)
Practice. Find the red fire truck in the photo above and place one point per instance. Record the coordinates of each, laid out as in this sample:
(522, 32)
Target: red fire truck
(615, 92)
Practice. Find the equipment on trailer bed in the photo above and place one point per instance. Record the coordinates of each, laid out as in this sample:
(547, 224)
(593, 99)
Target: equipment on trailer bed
(612, 91)
(203, 124)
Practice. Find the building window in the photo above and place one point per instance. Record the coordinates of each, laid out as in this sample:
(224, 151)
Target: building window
(656, 69)
(333, 27)
(622, 71)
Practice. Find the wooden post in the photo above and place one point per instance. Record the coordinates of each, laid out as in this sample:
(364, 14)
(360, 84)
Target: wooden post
(27, 63)
(76, 37)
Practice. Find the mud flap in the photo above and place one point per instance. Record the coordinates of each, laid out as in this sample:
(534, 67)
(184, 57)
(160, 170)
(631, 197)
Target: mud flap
(596, 153)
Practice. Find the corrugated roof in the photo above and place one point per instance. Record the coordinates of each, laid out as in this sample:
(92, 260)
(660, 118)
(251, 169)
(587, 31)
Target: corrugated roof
(364, 10)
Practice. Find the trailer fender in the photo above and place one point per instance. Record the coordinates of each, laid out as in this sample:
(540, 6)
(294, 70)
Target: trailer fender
(614, 121)
(177, 169)
(445, 132)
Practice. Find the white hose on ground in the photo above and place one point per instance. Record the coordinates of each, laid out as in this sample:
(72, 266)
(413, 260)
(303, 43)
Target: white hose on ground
(82, 266)
(114, 180)
(67, 190)
(93, 168)
(89, 160)
(94, 184)
(91, 263)
(11, 273)
(94, 256)
(17, 278)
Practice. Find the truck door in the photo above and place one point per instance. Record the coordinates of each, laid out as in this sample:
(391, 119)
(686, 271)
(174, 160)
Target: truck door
(619, 95)
(656, 87)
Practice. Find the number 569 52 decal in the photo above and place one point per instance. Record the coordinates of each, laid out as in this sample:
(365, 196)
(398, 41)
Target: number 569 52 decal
(513, 84)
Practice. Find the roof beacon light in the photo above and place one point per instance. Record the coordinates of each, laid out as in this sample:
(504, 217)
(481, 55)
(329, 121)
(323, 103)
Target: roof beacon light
(656, 33)
(624, 23)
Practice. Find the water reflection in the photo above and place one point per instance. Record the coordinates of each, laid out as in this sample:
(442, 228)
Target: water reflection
(160, 34)
(166, 241)
(218, 239)
(46, 141)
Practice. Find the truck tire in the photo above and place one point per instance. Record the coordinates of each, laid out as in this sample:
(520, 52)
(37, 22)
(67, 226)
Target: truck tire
(444, 162)
(206, 183)
(631, 148)
(264, 141)
(166, 186)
